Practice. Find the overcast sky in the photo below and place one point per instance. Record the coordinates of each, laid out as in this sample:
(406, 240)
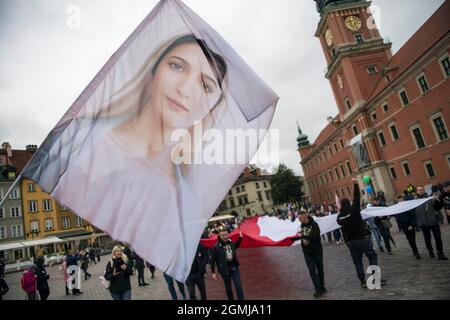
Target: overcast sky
(44, 64)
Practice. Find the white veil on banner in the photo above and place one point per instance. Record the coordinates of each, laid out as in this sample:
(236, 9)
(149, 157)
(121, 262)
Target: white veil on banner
(110, 158)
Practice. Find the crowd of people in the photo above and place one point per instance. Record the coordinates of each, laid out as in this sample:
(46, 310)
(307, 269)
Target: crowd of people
(358, 234)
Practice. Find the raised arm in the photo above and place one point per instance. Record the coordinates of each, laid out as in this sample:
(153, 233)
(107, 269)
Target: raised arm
(356, 195)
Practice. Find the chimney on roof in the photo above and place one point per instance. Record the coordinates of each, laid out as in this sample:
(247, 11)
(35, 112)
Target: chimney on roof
(7, 147)
(31, 147)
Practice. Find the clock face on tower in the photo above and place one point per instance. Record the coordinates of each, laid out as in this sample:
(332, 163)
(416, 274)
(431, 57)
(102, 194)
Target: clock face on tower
(353, 23)
(328, 37)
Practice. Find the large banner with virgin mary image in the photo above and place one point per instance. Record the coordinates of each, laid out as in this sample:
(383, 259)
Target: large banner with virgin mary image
(143, 152)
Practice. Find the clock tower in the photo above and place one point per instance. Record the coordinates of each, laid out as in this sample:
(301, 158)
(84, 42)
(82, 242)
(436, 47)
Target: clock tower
(354, 51)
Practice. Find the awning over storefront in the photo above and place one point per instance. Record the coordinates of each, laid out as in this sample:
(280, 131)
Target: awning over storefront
(70, 234)
(11, 245)
(41, 242)
(224, 217)
(84, 237)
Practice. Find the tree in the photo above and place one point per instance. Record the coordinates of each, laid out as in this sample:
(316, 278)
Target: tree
(286, 187)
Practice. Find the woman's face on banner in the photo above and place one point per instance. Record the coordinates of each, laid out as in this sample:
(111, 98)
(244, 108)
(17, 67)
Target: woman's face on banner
(184, 87)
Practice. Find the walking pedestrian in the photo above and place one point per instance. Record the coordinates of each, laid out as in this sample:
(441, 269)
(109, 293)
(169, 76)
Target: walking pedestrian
(72, 264)
(85, 264)
(2, 267)
(3, 287)
(171, 287)
(92, 256)
(309, 234)
(428, 221)
(28, 282)
(140, 266)
(383, 224)
(42, 278)
(197, 275)
(151, 268)
(443, 201)
(65, 274)
(118, 273)
(407, 223)
(98, 251)
(356, 233)
(223, 255)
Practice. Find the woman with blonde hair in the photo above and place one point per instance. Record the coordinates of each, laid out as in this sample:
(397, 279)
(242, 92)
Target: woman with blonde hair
(118, 272)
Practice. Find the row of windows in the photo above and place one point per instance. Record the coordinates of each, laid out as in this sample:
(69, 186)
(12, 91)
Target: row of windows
(437, 123)
(14, 212)
(330, 176)
(16, 231)
(244, 199)
(48, 224)
(33, 205)
(422, 84)
(242, 188)
(427, 165)
(332, 149)
(342, 193)
(15, 193)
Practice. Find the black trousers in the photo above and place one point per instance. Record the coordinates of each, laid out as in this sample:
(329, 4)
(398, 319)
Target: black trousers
(44, 293)
(411, 237)
(358, 248)
(141, 275)
(233, 275)
(436, 230)
(315, 267)
(385, 233)
(196, 279)
(152, 270)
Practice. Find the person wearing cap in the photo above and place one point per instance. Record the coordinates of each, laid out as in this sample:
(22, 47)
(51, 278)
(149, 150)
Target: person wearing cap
(309, 234)
(428, 221)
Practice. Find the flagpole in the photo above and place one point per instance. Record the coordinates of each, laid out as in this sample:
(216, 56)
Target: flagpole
(19, 177)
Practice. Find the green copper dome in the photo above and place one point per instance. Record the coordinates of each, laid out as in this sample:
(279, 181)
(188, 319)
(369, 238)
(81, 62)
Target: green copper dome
(302, 139)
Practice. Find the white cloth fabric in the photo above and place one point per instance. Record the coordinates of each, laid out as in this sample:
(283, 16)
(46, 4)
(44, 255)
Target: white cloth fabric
(277, 229)
(108, 158)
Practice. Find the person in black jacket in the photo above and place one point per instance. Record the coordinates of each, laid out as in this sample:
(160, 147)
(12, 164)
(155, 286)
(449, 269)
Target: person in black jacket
(224, 256)
(196, 276)
(309, 234)
(139, 264)
(85, 264)
(356, 234)
(2, 267)
(151, 268)
(127, 251)
(118, 272)
(3, 287)
(42, 278)
(443, 201)
(407, 223)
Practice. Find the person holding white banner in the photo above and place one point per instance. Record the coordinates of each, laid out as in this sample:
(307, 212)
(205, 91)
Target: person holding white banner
(356, 233)
(428, 221)
(309, 234)
(407, 223)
